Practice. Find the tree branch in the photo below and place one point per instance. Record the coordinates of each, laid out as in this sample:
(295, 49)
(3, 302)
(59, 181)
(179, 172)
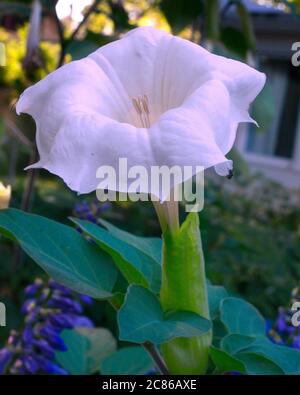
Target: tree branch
(64, 42)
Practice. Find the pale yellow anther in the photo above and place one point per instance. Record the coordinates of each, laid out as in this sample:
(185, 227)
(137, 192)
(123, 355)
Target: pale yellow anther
(141, 105)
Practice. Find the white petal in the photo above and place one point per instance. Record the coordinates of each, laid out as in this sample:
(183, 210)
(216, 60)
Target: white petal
(186, 136)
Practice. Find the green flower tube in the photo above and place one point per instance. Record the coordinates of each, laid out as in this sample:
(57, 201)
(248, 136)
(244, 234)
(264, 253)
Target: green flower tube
(184, 288)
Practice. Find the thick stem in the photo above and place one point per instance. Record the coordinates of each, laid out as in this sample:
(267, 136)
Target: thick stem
(184, 288)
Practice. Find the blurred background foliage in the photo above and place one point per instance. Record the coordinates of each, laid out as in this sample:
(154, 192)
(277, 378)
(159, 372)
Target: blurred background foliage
(250, 225)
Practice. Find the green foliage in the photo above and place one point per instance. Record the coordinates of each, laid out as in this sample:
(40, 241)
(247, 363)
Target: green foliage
(246, 319)
(264, 108)
(61, 252)
(87, 348)
(142, 319)
(132, 257)
(245, 347)
(215, 294)
(251, 239)
(127, 361)
(180, 13)
(13, 74)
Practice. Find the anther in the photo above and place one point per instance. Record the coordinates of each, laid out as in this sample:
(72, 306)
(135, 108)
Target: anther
(141, 105)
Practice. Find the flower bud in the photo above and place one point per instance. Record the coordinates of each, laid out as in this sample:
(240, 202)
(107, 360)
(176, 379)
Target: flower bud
(5, 195)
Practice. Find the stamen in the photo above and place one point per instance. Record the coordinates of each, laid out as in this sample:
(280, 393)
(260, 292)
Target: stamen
(141, 105)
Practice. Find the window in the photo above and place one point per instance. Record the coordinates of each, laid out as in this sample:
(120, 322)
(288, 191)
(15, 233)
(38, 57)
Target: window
(280, 139)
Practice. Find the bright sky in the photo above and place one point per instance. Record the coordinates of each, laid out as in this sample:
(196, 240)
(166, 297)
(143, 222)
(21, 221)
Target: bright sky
(73, 8)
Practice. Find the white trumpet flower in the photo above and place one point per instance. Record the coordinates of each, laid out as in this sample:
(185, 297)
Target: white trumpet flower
(150, 97)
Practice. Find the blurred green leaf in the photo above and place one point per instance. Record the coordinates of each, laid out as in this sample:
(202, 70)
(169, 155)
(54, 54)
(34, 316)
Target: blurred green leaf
(127, 361)
(79, 49)
(235, 41)
(87, 348)
(216, 294)
(180, 13)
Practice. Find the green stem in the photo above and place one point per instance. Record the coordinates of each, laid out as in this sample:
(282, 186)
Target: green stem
(184, 288)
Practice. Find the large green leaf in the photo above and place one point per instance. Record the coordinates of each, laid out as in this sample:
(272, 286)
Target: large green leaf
(235, 343)
(150, 246)
(288, 359)
(258, 364)
(127, 360)
(136, 266)
(87, 348)
(142, 319)
(246, 363)
(258, 353)
(225, 362)
(61, 252)
(216, 294)
(240, 317)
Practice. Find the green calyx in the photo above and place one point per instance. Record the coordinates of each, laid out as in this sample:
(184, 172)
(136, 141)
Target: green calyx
(184, 288)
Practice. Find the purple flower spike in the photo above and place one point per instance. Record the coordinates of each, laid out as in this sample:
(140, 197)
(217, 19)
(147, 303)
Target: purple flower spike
(61, 321)
(44, 347)
(50, 309)
(5, 358)
(31, 364)
(50, 367)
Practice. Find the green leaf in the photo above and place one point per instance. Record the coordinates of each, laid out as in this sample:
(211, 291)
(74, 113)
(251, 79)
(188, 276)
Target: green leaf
(234, 40)
(180, 13)
(259, 353)
(240, 317)
(258, 364)
(235, 343)
(87, 348)
(225, 362)
(141, 319)
(247, 363)
(151, 246)
(136, 266)
(288, 359)
(128, 360)
(79, 49)
(61, 252)
(216, 294)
